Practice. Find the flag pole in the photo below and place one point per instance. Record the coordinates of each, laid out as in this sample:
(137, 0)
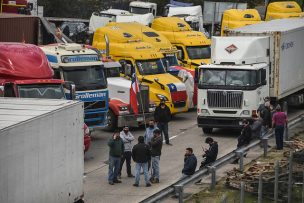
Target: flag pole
(142, 104)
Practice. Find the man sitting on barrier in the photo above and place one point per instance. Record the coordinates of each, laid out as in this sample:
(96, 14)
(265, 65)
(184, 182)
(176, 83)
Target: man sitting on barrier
(190, 163)
(211, 153)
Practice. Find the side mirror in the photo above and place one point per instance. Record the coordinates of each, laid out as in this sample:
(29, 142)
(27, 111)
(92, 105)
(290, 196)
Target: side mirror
(69, 85)
(179, 54)
(128, 70)
(1, 91)
(263, 77)
(167, 65)
(196, 75)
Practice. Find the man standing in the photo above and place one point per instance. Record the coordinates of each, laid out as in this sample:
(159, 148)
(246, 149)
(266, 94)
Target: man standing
(127, 138)
(116, 150)
(162, 116)
(279, 121)
(211, 153)
(149, 135)
(265, 114)
(190, 163)
(141, 155)
(156, 147)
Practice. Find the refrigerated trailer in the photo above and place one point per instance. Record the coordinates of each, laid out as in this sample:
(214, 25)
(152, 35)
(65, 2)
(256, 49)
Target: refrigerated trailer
(253, 62)
(41, 150)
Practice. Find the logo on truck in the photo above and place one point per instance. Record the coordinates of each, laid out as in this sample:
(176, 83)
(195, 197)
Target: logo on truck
(231, 48)
(91, 95)
(287, 45)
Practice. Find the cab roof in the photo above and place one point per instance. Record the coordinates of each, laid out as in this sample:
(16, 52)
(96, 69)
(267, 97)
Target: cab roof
(242, 14)
(24, 61)
(173, 24)
(147, 34)
(284, 7)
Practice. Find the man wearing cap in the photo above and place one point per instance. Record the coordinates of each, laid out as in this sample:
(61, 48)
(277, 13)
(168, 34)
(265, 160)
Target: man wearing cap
(162, 116)
(127, 138)
(210, 154)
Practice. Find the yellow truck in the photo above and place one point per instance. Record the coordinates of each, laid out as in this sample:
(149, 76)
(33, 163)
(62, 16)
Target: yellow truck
(284, 9)
(235, 18)
(145, 59)
(193, 46)
(159, 41)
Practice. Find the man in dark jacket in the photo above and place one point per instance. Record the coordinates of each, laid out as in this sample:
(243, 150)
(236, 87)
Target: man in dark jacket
(141, 155)
(116, 151)
(190, 163)
(156, 147)
(211, 153)
(245, 137)
(162, 116)
(265, 114)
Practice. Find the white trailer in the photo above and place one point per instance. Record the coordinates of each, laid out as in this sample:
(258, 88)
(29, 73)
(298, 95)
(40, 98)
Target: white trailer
(255, 61)
(41, 150)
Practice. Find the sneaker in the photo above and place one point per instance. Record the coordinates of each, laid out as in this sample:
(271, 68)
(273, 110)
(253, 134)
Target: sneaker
(117, 181)
(111, 183)
(131, 176)
(156, 180)
(135, 185)
(148, 185)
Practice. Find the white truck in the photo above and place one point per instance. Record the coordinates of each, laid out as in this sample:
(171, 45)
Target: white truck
(41, 147)
(253, 62)
(140, 7)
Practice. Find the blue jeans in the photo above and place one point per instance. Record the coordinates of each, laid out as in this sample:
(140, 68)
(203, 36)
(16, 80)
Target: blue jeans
(114, 167)
(279, 136)
(138, 167)
(155, 166)
(163, 127)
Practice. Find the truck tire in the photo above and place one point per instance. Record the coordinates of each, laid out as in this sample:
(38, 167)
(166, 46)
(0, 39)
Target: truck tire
(207, 130)
(112, 121)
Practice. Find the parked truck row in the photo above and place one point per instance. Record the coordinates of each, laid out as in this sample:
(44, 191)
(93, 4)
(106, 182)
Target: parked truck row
(253, 62)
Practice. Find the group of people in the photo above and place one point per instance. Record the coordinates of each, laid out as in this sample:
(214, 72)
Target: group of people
(267, 119)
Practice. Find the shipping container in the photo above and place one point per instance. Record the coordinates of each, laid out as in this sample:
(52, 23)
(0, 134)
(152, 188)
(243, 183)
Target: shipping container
(41, 151)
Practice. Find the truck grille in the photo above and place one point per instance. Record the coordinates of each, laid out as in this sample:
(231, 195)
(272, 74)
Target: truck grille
(225, 99)
(94, 105)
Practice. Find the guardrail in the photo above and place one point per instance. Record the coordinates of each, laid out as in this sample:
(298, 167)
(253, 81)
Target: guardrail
(178, 186)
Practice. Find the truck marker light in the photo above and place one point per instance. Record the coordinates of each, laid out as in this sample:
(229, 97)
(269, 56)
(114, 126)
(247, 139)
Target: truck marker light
(231, 48)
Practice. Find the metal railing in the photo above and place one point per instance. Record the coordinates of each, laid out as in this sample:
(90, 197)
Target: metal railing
(178, 186)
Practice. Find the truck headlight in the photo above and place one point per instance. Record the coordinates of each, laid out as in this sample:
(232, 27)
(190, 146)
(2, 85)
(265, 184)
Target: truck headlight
(162, 97)
(205, 111)
(245, 112)
(123, 108)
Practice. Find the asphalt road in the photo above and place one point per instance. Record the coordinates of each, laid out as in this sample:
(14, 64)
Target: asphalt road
(183, 133)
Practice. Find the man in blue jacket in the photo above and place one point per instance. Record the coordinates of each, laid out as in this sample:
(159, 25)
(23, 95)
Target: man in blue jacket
(190, 163)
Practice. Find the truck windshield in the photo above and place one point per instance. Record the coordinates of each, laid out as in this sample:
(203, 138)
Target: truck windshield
(138, 10)
(210, 78)
(150, 67)
(45, 91)
(199, 52)
(112, 72)
(171, 58)
(85, 77)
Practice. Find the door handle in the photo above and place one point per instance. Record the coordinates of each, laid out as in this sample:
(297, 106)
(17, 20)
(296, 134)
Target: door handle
(120, 91)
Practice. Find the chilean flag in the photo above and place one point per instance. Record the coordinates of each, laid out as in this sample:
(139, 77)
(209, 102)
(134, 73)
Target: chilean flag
(133, 94)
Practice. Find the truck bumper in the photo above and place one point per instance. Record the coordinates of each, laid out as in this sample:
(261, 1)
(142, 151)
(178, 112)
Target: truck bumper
(134, 120)
(220, 122)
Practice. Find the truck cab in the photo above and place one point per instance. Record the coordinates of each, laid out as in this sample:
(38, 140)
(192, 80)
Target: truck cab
(163, 45)
(140, 7)
(142, 57)
(82, 66)
(232, 87)
(194, 47)
(120, 113)
(284, 9)
(235, 18)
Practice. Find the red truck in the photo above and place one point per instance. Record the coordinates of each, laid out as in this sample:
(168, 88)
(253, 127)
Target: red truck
(26, 73)
(17, 6)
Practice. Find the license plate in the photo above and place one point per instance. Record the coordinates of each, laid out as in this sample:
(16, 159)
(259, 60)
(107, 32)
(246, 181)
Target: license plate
(140, 119)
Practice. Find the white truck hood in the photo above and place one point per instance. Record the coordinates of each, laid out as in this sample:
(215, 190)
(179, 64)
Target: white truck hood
(119, 88)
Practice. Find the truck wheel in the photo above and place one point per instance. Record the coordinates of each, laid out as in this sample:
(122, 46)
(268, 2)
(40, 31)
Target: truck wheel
(112, 121)
(207, 130)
